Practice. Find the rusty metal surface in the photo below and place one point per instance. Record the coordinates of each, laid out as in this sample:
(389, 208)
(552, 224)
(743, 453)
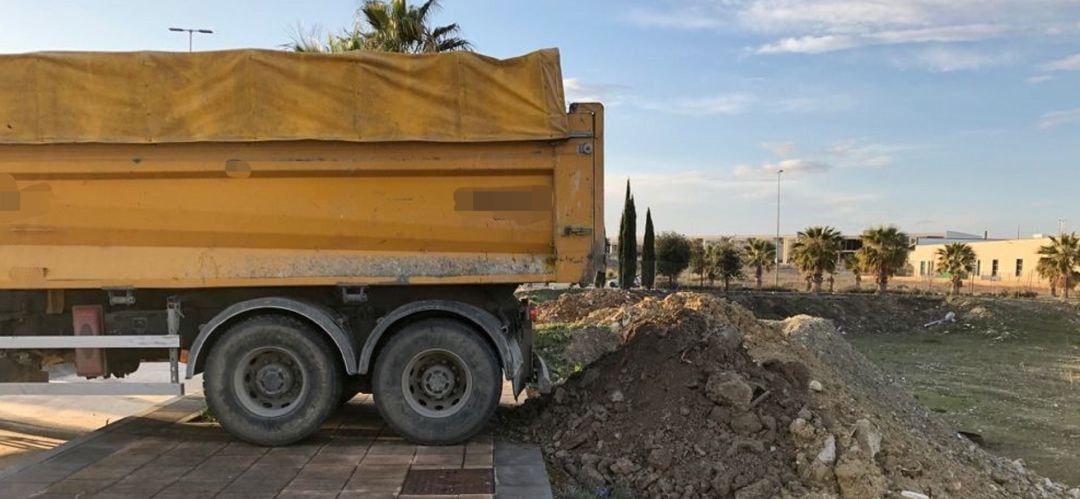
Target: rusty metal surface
(449, 482)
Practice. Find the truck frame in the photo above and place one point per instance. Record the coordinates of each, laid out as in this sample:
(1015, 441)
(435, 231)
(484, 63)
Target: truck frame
(295, 274)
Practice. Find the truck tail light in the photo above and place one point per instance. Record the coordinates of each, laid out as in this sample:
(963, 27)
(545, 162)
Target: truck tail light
(533, 313)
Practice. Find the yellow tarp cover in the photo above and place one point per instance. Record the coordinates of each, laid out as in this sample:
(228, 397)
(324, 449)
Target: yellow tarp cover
(262, 95)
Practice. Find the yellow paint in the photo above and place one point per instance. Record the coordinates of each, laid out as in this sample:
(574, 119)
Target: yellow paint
(300, 212)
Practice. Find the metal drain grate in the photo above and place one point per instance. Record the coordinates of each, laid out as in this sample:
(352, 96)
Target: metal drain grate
(449, 482)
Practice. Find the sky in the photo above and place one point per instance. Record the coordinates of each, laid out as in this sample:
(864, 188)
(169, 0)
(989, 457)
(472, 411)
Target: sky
(926, 114)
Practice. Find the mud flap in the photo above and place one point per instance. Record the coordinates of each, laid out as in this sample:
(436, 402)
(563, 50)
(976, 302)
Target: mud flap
(541, 377)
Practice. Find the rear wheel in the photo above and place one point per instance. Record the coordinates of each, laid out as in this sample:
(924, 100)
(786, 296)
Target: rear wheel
(437, 382)
(272, 380)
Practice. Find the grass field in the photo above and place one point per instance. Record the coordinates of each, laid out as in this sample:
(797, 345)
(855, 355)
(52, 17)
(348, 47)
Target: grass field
(1009, 372)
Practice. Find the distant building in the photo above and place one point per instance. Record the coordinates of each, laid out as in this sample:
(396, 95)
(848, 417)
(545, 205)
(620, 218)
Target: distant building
(1001, 262)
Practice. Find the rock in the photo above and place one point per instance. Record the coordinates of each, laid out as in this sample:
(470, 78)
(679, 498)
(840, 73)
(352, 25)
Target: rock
(685, 411)
(729, 388)
(577, 439)
(746, 423)
(828, 451)
(1000, 476)
(859, 479)
(617, 396)
(868, 438)
(761, 489)
(591, 476)
(599, 412)
(815, 385)
(720, 414)
(803, 432)
(910, 494)
(1074, 493)
(624, 466)
(660, 459)
(560, 395)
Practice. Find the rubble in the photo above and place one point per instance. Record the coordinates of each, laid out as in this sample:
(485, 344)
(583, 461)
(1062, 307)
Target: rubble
(704, 400)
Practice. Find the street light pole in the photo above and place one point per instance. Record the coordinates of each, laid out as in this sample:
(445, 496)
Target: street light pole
(776, 254)
(191, 34)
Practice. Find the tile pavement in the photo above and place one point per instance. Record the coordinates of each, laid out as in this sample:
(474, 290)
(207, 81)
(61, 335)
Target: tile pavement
(356, 455)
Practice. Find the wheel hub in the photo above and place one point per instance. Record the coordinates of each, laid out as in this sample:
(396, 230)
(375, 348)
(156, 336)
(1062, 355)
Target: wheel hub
(270, 381)
(273, 380)
(438, 381)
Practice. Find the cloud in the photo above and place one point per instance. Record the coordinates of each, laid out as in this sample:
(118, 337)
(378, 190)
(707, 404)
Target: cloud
(1035, 80)
(852, 153)
(949, 59)
(793, 165)
(577, 90)
(818, 44)
(1070, 63)
(1055, 118)
(825, 26)
(781, 149)
(741, 102)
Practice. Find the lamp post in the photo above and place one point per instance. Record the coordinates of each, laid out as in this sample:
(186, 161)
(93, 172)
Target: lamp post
(191, 33)
(776, 255)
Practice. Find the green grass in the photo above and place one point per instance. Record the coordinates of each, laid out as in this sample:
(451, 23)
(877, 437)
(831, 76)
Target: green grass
(550, 341)
(1020, 391)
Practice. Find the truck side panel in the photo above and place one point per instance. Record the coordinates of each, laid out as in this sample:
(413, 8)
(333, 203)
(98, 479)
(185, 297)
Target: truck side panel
(281, 214)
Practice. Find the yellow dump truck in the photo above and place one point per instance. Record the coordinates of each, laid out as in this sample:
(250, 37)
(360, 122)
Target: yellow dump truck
(298, 228)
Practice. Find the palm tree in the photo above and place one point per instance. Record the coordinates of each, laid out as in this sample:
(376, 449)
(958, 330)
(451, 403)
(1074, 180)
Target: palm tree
(1059, 260)
(815, 253)
(853, 262)
(759, 254)
(388, 26)
(886, 250)
(957, 260)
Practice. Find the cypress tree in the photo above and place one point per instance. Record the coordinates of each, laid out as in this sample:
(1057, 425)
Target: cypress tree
(648, 253)
(628, 242)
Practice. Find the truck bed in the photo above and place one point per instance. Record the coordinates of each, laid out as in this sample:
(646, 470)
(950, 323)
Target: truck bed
(185, 215)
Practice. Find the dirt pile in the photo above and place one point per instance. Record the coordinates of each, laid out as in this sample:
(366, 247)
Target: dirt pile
(852, 313)
(681, 410)
(703, 400)
(574, 306)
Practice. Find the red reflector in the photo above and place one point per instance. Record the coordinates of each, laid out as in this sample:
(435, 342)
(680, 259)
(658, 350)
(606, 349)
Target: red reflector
(89, 320)
(533, 313)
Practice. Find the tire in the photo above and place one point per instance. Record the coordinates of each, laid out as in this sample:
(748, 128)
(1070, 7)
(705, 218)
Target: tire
(272, 380)
(439, 354)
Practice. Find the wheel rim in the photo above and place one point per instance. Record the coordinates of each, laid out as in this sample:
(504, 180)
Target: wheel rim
(436, 383)
(270, 381)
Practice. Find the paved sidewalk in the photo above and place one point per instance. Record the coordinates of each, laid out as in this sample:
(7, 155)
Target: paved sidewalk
(355, 456)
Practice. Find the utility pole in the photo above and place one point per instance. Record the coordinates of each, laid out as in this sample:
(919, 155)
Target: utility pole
(191, 33)
(776, 256)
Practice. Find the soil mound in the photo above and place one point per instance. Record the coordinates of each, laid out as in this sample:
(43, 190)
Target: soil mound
(681, 410)
(704, 400)
(574, 306)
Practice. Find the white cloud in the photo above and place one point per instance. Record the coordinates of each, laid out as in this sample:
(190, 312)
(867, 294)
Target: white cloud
(793, 165)
(1035, 80)
(1055, 118)
(818, 44)
(949, 59)
(577, 90)
(781, 149)
(823, 26)
(741, 102)
(1070, 63)
(852, 153)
